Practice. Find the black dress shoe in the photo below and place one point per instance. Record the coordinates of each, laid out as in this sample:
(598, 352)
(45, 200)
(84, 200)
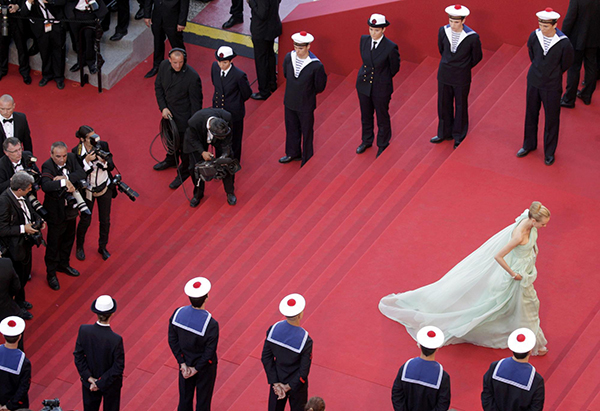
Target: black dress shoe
(456, 144)
(175, 183)
(232, 22)
(379, 151)
(564, 103)
(195, 201)
(25, 304)
(140, 14)
(24, 314)
(258, 96)
(60, 84)
(68, 270)
(231, 199)
(33, 50)
(549, 160)
(44, 81)
(437, 139)
(117, 36)
(522, 152)
(362, 148)
(93, 68)
(153, 72)
(586, 102)
(104, 253)
(287, 159)
(53, 282)
(27, 80)
(74, 68)
(80, 254)
(163, 165)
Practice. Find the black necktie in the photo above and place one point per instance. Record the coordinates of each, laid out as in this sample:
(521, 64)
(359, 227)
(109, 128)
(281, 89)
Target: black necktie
(7, 120)
(222, 74)
(374, 46)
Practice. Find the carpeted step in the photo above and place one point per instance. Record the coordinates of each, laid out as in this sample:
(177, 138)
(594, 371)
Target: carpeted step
(146, 397)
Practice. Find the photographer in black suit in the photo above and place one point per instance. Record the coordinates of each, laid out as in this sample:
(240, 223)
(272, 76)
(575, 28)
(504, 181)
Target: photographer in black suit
(17, 29)
(14, 159)
(14, 124)
(59, 174)
(18, 222)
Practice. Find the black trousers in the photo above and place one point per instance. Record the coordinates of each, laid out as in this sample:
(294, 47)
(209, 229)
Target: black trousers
(453, 111)
(104, 204)
(23, 270)
(264, 61)
(93, 399)
(237, 9)
(298, 400)
(162, 31)
(237, 130)
(59, 241)
(203, 384)
(17, 34)
(551, 100)
(380, 106)
(122, 17)
(299, 134)
(196, 157)
(87, 44)
(588, 58)
(53, 51)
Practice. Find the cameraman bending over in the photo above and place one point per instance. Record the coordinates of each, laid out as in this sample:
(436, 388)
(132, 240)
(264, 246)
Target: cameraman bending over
(59, 173)
(15, 159)
(99, 189)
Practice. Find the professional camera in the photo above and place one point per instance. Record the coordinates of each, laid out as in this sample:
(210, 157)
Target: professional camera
(75, 199)
(51, 405)
(95, 140)
(4, 22)
(37, 239)
(124, 188)
(216, 169)
(28, 168)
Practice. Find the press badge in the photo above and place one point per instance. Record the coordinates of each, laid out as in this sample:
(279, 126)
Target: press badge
(47, 26)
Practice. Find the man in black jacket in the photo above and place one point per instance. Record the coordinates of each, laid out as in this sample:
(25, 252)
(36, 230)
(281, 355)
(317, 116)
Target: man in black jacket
(83, 12)
(9, 287)
(193, 338)
(16, 32)
(265, 27)
(460, 49)
(14, 159)
(100, 358)
(14, 124)
(232, 89)
(178, 90)
(167, 18)
(287, 356)
(306, 78)
(375, 83)
(15, 368)
(582, 27)
(59, 174)
(551, 54)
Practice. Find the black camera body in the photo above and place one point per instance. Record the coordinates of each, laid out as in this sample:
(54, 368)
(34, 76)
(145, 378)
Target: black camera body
(36, 239)
(95, 140)
(124, 188)
(51, 405)
(28, 168)
(75, 199)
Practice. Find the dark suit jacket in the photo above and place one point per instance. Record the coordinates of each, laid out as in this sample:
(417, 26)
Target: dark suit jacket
(98, 14)
(56, 9)
(301, 93)
(379, 67)
(110, 165)
(195, 139)
(171, 12)
(11, 218)
(9, 286)
(7, 170)
(231, 92)
(582, 24)
(54, 202)
(21, 131)
(99, 353)
(192, 349)
(455, 68)
(546, 72)
(265, 23)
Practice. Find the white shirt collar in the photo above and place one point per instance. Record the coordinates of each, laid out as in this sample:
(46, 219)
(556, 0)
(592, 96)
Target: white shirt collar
(226, 71)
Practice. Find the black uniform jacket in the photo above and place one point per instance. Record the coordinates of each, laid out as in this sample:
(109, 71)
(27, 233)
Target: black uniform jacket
(379, 67)
(7, 170)
(172, 12)
(455, 68)
(230, 92)
(9, 285)
(98, 14)
(179, 91)
(414, 395)
(195, 139)
(503, 396)
(582, 24)
(54, 200)
(301, 93)
(21, 127)
(189, 347)
(265, 23)
(11, 218)
(99, 353)
(546, 71)
(56, 9)
(14, 387)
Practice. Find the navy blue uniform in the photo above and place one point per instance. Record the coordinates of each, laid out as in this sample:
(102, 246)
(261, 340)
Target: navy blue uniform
(421, 385)
(15, 378)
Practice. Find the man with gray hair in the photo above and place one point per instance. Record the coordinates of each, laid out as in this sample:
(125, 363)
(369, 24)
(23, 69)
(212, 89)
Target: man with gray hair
(14, 124)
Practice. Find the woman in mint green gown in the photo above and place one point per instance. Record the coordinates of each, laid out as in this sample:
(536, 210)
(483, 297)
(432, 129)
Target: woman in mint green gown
(486, 296)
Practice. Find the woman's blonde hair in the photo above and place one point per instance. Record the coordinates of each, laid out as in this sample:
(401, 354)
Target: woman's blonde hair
(538, 211)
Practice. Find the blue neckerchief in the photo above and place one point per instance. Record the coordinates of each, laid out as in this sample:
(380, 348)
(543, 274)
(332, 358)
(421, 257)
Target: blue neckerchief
(288, 336)
(11, 360)
(514, 373)
(191, 319)
(423, 372)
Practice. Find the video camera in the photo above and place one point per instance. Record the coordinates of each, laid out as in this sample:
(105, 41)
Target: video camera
(216, 169)
(51, 405)
(28, 168)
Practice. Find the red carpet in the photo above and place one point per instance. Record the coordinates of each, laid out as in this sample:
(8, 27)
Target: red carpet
(344, 230)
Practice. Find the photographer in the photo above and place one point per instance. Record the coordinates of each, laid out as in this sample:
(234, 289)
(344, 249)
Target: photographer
(14, 29)
(59, 174)
(15, 159)
(89, 152)
(19, 230)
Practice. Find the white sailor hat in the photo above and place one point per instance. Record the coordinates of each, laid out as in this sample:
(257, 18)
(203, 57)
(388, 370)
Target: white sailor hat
(378, 20)
(430, 337)
(548, 14)
(197, 287)
(12, 326)
(292, 305)
(104, 304)
(458, 10)
(225, 53)
(521, 340)
(303, 37)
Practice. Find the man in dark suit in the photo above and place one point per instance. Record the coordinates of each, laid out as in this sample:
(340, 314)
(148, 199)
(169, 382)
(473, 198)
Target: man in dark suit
(237, 14)
(51, 42)
(582, 27)
(375, 84)
(265, 27)
(287, 356)
(122, 20)
(14, 124)
(232, 89)
(82, 11)
(193, 338)
(15, 368)
(167, 18)
(100, 358)
(209, 127)
(306, 78)
(14, 159)
(18, 220)
(9, 287)
(178, 90)
(16, 32)
(59, 174)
